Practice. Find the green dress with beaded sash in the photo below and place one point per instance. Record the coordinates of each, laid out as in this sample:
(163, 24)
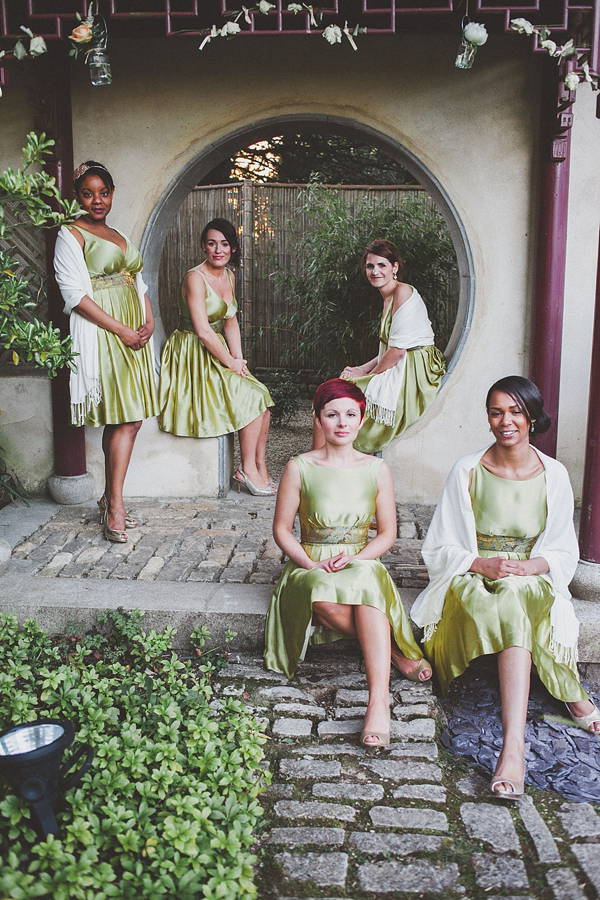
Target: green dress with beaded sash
(126, 376)
(336, 508)
(482, 615)
(424, 369)
(198, 395)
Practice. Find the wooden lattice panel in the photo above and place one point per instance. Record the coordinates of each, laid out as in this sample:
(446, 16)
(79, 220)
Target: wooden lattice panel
(28, 247)
(56, 18)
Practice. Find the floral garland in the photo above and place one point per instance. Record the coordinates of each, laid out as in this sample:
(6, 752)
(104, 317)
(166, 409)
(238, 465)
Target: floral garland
(333, 34)
(566, 51)
(37, 46)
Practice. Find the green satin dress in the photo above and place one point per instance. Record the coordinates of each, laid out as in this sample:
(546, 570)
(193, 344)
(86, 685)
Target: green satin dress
(425, 367)
(126, 375)
(336, 507)
(198, 395)
(483, 616)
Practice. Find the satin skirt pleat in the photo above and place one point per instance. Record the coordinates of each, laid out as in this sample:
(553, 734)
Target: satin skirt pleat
(126, 376)
(423, 374)
(362, 582)
(199, 396)
(483, 616)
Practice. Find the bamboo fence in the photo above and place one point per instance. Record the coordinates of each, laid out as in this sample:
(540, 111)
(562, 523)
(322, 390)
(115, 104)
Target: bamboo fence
(260, 213)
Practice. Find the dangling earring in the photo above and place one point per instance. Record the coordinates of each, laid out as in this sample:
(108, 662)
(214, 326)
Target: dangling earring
(532, 428)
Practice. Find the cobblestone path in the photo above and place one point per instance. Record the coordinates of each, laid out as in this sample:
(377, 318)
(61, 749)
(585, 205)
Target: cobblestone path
(409, 821)
(226, 541)
(343, 821)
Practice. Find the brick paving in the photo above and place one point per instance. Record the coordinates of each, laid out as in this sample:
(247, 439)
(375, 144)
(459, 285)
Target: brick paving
(227, 542)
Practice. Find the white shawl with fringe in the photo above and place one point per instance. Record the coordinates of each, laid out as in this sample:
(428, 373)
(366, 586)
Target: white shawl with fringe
(410, 327)
(75, 283)
(451, 546)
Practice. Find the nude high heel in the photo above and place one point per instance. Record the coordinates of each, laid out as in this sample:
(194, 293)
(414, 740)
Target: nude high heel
(111, 534)
(241, 478)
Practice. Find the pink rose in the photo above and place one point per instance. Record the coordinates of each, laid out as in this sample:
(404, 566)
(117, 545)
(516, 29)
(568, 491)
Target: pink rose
(82, 34)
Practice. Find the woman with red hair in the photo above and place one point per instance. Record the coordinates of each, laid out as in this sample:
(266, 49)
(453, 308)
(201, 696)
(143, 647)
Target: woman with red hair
(334, 585)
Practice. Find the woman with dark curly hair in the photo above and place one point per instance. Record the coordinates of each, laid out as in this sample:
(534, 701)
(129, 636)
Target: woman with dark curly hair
(501, 551)
(205, 386)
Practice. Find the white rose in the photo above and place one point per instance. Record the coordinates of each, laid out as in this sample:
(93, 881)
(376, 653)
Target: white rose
(550, 46)
(475, 34)
(333, 34)
(37, 46)
(522, 26)
(572, 81)
(230, 28)
(264, 6)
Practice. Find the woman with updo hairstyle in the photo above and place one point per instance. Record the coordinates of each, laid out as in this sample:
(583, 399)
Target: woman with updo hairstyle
(99, 273)
(501, 551)
(205, 387)
(334, 585)
(403, 379)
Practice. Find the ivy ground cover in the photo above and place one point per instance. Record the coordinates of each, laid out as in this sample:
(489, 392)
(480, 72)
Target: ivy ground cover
(169, 806)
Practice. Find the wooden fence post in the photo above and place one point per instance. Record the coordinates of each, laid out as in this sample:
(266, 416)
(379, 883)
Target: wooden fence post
(247, 264)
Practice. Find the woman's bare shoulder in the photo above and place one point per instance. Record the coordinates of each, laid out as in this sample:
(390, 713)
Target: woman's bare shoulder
(402, 293)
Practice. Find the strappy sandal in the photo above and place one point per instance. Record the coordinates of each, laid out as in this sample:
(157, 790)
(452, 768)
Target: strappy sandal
(115, 535)
(518, 788)
(383, 738)
(130, 522)
(586, 721)
(414, 675)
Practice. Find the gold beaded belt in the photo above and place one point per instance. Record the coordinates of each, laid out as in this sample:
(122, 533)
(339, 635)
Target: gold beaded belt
(185, 324)
(342, 535)
(505, 543)
(108, 281)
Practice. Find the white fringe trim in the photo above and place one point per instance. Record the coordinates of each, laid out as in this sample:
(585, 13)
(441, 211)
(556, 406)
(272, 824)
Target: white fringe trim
(81, 409)
(381, 415)
(429, 630)
(562, 654)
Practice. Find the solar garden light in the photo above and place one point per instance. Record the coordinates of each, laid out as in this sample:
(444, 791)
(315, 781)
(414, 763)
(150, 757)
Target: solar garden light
(30, 762)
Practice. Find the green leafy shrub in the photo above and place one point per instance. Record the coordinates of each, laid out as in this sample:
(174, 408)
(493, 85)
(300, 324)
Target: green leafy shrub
(28, 194)
(169, 807)
(334, 312)
(286, 395)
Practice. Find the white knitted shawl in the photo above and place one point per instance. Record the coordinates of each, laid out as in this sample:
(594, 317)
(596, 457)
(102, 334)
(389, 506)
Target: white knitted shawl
(74, 282)
(451, 546)
(410, 327)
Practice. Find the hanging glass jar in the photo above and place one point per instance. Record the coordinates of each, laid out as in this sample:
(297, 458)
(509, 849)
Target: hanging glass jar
(99, 64)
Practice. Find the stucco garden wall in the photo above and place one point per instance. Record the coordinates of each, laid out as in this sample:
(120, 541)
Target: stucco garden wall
(475, 132)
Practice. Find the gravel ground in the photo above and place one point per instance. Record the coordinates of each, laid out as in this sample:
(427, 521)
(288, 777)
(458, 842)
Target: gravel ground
(286, 441)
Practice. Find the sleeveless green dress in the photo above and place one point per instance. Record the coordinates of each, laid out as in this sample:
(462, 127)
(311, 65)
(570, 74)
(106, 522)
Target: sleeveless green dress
(425, 367)
(483, 616)
(336, 507)
(126, 375)
(198, 395)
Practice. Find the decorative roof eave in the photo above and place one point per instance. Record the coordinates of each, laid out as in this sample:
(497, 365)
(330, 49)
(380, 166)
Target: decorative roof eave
(54, 19)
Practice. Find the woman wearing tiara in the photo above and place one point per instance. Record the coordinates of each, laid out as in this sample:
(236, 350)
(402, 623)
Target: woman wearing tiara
(403, 379)
(205, 386)
(98, 271)
(334, 585)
